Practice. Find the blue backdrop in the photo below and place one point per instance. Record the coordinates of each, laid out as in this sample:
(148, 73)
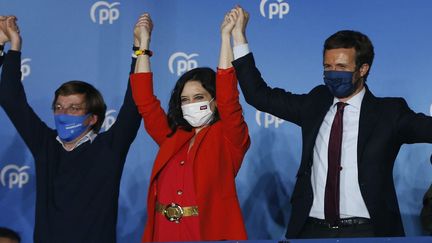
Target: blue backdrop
(91, 40)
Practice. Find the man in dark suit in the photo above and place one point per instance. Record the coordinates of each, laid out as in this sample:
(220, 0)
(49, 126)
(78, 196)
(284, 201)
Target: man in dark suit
(351, 139)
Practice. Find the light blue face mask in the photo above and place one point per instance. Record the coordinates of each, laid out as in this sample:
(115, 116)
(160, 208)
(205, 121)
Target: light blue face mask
(340, 83)
(70, 127)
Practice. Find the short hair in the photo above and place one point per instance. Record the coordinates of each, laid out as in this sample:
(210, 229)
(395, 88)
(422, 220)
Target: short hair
(10, 234)
(94, 101)
(207, 77)
(353, 39)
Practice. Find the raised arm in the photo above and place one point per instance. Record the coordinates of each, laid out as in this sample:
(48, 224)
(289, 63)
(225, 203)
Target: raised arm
(128, 121)
(226, 54)
(155, 119)
(142, 35)
(12, 96)
(227, 96)
(257, 93)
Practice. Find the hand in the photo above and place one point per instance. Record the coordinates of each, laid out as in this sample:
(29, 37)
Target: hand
(239, 31)
(3, 38)
(13, 33)
(142, 31)
(229, 22)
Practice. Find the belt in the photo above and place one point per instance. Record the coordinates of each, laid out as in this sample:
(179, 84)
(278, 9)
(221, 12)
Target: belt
(346, 222)
(174, 212)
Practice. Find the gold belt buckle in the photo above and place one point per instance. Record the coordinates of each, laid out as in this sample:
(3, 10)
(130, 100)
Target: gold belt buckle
(173, 212)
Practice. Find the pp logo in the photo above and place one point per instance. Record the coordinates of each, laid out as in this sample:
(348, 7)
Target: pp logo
(183, 62)
(25, 68)
(277, 8)
(267, 120)
(109, 120)
(102, 11)
(12, 175)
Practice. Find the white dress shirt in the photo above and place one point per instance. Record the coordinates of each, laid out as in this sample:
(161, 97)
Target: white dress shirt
(351, 200)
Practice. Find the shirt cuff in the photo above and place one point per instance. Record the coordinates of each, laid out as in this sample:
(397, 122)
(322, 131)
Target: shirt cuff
(241, 51)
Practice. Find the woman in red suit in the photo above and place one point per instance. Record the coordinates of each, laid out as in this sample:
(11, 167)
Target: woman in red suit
(202, 141)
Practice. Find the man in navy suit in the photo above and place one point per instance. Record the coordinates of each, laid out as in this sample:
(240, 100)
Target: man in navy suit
(371, 131)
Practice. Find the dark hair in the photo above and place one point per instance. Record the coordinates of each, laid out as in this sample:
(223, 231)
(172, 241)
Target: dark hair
(207, 77)
(353, 39)
(10, 234)
(94, 101)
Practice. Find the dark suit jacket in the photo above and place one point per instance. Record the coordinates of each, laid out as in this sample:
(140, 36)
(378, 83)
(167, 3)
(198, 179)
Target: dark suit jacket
(385, 124)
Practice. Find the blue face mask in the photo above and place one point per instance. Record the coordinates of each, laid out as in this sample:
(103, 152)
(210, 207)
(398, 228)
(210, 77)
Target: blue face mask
(340, 83)
(70, 127)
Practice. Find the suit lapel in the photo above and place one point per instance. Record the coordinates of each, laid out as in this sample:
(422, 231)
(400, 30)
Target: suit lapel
(315, 119)
(369, 114)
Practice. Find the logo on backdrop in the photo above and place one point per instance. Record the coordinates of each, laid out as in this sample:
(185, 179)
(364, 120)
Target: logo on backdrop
(180, 62)
(109, 120)
(102, 12)
(274, 9)
(267, 120)
(25, 68)
(14, 176)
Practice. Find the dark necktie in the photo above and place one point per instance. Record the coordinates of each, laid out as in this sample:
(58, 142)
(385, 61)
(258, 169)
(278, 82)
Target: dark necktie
(331, 197)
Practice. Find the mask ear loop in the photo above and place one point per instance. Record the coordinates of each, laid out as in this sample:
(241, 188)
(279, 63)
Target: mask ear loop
(210, 101)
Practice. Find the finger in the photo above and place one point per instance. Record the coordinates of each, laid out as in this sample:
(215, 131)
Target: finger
(11, 18)
(226, 17)
(144, 23)
(232, 18)
(9, 22)
(144, 17)
(234, 14)
(241, 12)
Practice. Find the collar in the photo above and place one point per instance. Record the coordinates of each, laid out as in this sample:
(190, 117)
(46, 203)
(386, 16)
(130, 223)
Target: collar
(354, 101)
(90, 136)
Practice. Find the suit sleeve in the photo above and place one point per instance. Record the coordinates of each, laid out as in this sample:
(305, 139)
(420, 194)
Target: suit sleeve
(235, 130)
(13, 100)
(412, 127)
(257, 93)
(155, 119)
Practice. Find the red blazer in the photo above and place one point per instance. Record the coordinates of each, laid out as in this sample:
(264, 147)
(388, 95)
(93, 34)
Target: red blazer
(216, 155)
